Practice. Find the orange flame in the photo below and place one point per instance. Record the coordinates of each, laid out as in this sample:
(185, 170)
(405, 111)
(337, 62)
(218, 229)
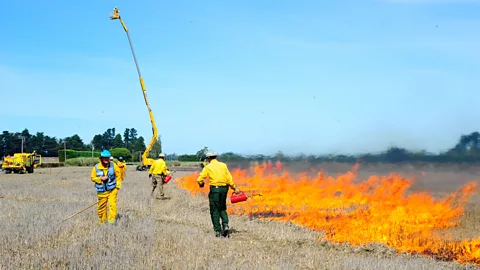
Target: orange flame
(380, 209)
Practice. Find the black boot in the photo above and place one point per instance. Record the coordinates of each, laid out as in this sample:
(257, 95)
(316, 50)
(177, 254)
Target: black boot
(225, 232)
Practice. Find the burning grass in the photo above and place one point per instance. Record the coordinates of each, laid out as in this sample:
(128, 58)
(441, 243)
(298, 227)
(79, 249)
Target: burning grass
(380, 209)
(164, 234)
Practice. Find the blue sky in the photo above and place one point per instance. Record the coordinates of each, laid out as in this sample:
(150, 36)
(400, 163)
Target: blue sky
(250, 77)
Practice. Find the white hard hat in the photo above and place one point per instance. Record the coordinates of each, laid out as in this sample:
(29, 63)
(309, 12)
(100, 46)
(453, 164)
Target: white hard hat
(111, 158)
(212, 154)
(161, 155)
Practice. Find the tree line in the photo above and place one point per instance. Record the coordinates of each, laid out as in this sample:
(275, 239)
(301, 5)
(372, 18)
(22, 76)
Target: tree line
(48, 146)
(467, 149)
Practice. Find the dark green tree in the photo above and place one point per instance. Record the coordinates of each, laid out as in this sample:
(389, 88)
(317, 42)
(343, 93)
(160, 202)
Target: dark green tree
(107, 138)
(50, 147)
(121, 152)
(117, 141)
(126, 138)
(201, 154)
(8, 143)
(396, 154)
(27, 146)
(75, 143)
(37, 143)
(97, 141)
(132, 139)
(139, 145)
(133, 134)
(468, 144)
(156, 148)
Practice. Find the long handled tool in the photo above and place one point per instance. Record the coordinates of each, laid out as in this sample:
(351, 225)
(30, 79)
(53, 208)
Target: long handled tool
(90, 206)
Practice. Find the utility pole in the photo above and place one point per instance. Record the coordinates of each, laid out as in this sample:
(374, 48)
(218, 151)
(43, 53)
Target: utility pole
(65, 150)
(93, 147)
(23, 138)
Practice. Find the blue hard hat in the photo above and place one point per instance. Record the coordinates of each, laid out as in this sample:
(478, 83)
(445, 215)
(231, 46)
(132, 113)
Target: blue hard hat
(105, 153)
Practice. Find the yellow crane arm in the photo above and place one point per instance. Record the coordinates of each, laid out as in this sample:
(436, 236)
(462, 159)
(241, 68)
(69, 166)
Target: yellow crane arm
(145, 161)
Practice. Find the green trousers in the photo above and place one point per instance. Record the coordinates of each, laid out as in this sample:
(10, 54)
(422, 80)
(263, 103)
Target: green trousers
(218, 207)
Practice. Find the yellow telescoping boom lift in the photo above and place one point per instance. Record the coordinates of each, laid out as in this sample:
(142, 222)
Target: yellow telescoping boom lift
(146, 162)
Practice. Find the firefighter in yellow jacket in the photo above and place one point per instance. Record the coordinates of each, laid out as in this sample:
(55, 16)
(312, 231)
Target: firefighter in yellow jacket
(158, 171)
(220, 180)
(106, 175)
(122, 165)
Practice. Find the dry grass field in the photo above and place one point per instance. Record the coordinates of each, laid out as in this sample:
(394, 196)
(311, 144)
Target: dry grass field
(177, 233)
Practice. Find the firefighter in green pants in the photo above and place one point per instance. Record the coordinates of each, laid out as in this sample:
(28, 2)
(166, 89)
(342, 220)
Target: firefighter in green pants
(220, 180)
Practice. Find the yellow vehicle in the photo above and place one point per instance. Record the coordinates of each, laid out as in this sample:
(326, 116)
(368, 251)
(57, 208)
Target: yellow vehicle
(146, 162)
(22, 162)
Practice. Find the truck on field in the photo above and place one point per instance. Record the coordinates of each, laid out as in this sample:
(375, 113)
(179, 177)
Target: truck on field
(21, 163)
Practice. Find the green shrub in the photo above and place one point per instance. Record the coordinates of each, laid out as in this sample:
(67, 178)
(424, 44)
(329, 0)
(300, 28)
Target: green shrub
(187, 158)
(75, 154)
(82, 161)
(173, 163)
(124, 152)
(52, 165)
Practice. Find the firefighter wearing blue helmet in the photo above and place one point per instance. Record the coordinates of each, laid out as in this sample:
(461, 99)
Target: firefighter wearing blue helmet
(106, 175)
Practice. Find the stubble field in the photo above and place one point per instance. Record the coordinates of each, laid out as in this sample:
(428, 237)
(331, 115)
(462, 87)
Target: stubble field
(177, 233)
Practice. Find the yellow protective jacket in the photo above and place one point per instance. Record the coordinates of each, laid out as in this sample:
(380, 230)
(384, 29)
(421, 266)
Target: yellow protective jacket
(96, 179)
(159, 167)
(218, 174)
(123, 168)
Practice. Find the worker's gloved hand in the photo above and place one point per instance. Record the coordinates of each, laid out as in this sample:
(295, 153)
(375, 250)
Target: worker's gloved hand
(149, 175)
(237, 190)
(103, 178)
(201, 185)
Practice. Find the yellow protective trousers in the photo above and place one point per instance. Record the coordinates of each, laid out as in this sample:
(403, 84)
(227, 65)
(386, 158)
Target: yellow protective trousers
(111, 198)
